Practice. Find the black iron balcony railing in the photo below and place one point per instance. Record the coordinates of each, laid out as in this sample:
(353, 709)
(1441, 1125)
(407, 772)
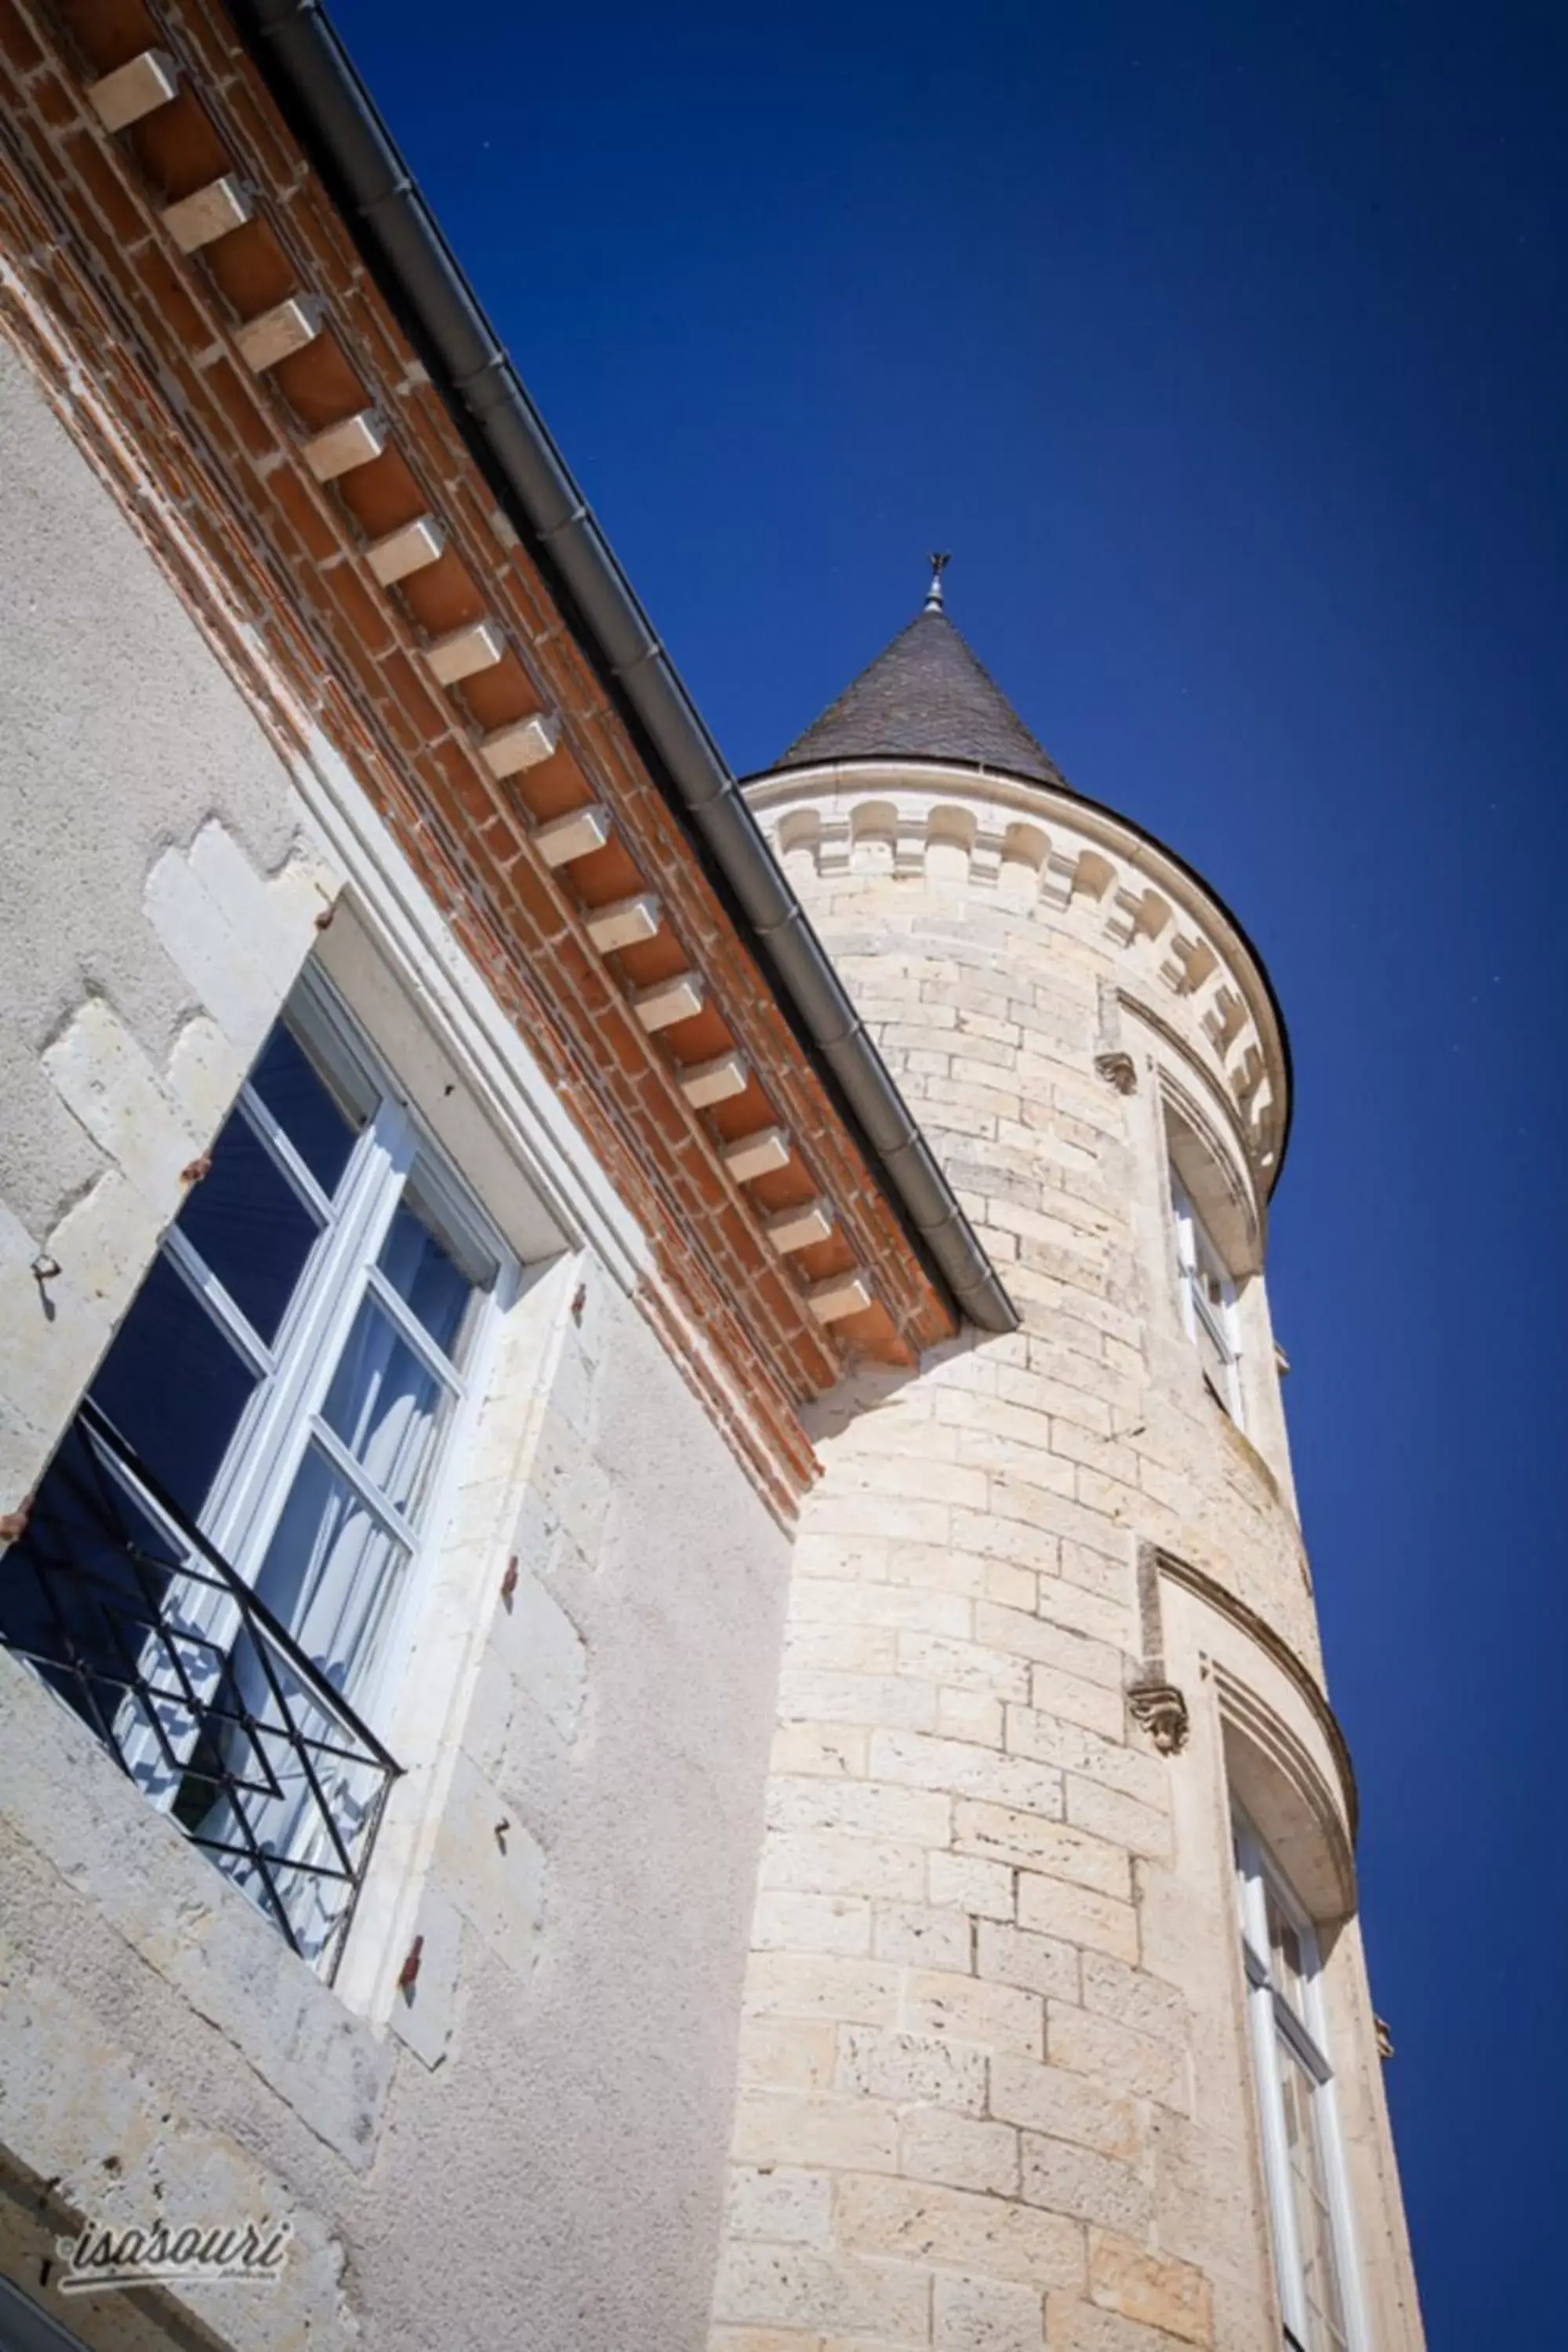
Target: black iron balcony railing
(123, 1606)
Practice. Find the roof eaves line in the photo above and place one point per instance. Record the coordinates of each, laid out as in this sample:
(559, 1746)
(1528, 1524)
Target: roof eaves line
(335, 117)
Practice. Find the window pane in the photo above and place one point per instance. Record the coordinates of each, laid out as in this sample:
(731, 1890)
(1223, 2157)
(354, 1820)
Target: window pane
(320, 1124)
(84, 1583)
(246, 1779)
(173, 1386)
(1309, 2198)
(1216, 1361)
(250, 1227)
(1239, 1865)
(1286, 1959)
(422, 1268)
(330, 1572)
(386, 1408)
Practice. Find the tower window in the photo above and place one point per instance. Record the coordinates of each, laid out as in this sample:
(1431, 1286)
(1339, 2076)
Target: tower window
(1307, 2199)
(1208, 1302)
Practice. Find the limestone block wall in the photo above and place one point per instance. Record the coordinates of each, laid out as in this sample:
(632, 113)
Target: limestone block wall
(1056, 997)
(995, 2088)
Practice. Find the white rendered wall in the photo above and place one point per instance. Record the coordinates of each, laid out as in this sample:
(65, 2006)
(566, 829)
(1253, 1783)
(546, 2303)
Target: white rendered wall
(531, 2150)
(145, 817)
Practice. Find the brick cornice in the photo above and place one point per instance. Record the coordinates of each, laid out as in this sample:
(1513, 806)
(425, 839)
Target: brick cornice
(140, 350)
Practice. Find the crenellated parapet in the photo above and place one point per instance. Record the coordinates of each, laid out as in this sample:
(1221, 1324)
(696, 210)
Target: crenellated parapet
(1045, 853)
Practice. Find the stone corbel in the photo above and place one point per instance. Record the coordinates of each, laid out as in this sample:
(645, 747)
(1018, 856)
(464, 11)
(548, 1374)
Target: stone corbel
(1159, 1709)
(1135, 914)
(833, 846)
(1058, 877)
(1224, 1019)
(986, 854)
(1155, 1704)
(1111, 1061)
(909, 844)
(1187, 963)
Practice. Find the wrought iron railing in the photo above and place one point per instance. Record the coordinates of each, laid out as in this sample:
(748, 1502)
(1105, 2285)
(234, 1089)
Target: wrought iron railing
(121, 1605)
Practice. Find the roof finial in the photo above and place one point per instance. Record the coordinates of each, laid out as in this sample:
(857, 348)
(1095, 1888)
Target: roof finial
(939, 564)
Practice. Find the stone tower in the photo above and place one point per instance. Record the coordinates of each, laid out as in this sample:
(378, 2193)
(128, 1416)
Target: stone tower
(1058, 2029)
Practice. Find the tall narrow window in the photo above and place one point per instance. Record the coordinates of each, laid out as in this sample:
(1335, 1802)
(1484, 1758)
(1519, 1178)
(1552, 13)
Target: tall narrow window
(1208, 1302)
(1308, 2201)
(215, 1561)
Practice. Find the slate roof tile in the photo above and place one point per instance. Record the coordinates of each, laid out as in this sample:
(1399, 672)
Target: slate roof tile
(925, 696)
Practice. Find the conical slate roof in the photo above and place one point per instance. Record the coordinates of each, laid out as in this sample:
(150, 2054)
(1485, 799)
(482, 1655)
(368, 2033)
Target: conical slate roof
(926, 696)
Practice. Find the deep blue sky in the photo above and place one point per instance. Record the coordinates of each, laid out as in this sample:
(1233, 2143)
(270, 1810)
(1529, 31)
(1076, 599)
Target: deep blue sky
(1227, 349)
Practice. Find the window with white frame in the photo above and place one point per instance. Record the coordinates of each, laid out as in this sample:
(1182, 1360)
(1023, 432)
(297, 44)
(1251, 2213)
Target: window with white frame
(273, 1420)
(1308, 2198)
(1208, 1302)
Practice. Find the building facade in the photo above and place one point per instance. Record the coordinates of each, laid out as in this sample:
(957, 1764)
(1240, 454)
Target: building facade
(658, 1684)
(1055, 1980)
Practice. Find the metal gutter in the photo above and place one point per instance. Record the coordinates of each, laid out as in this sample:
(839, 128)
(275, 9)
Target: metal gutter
(315, 83)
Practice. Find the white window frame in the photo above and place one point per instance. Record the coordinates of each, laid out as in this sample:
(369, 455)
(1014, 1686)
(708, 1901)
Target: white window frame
(1273, 2019)
(286, 1414)
(289, 1415)
(1197, 1262)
